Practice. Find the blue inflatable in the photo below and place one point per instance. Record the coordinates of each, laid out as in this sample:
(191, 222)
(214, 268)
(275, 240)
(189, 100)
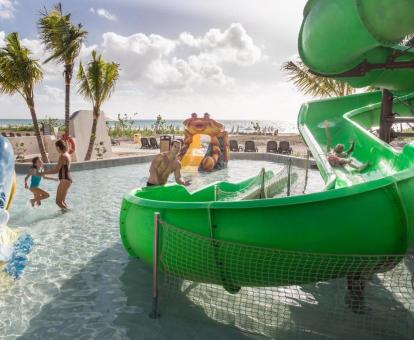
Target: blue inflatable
(13, 247)
(6, 179)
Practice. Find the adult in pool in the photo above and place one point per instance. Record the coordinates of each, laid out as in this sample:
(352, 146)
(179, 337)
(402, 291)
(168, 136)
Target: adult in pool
(65, 178)
(164, 164)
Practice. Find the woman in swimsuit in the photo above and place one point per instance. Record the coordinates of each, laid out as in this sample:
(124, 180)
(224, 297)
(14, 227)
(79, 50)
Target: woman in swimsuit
(35, 173)
(65, 178)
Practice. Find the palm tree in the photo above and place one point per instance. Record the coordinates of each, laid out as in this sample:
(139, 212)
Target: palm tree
(311, 84)
(97, 83)
(64, 40)
(19, 73)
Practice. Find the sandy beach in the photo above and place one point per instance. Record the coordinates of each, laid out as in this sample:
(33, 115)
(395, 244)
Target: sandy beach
(127, 147)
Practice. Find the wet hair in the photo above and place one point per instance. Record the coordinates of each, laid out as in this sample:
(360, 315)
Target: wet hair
(34, 161)
(339, 146)
(61, 145)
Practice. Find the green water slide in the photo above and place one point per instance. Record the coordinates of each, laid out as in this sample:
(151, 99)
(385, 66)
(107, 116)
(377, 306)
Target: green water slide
(361, 222)
(357, 37)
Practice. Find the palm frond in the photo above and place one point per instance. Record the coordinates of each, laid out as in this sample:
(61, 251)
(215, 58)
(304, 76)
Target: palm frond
(111, 76)
(60, 35)
(311, 84)
(18, 71)
(97, 81)
(84, 89)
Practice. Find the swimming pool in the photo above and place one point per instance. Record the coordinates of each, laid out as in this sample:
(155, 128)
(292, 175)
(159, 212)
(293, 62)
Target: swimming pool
(80, 283)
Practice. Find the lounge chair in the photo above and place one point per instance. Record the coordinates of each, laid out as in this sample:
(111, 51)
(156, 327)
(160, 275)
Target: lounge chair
(284, 148)
(115, 142)
(4, 134)
(18, 134)
(144, 143)
(271, 146)
(28, 134)
(249, 146)
(154, 143)
(234, 146)
(11, 134)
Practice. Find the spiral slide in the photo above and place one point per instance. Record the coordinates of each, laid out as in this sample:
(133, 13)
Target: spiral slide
(365, 213)
(357, 41)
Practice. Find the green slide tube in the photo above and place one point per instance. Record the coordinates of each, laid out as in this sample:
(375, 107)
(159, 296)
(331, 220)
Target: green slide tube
(338, 35)
(306, 238)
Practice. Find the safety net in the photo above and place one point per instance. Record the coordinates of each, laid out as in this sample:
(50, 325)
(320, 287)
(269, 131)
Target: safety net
(288, 295)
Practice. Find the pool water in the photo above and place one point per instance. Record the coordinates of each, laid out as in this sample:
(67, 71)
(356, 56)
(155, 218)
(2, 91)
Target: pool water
(77, 274)
(79, 282)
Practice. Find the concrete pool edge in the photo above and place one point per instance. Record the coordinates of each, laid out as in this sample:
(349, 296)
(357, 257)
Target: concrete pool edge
(23, 168)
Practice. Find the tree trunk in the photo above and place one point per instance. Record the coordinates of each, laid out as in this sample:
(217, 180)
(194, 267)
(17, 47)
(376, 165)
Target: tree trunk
(30, 103)
(68, 78)
(93, 134)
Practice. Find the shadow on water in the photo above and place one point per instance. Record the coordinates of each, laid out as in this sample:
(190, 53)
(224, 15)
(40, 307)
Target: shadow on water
(314, 311)
(386, 317)
(110, 298)
(181, 319)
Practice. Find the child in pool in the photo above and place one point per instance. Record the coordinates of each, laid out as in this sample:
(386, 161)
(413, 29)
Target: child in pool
(36, 177)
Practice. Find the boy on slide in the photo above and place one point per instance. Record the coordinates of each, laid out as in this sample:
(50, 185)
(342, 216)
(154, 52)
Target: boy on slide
(35, 174)
(339, 157)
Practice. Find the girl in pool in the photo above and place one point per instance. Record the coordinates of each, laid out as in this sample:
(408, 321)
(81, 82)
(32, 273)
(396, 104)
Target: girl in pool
(65, 177)
(35, 174)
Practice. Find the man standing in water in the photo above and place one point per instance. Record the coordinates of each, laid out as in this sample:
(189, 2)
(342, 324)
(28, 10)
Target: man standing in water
(165, 164)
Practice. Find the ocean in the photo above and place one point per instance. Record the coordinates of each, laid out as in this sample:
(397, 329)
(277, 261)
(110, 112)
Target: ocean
(231, 125)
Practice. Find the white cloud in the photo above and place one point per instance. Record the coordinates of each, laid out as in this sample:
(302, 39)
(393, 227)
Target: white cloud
(7, 9)
(85, 53)
(223, 71)
(104, 13)
(232, 45)
(49, 94)
(185, 63)
(136, 53)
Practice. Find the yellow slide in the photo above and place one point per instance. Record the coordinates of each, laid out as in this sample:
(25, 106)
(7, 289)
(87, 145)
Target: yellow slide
(194, 155)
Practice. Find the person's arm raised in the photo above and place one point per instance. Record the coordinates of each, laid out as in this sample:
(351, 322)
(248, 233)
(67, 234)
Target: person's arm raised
(351, 148)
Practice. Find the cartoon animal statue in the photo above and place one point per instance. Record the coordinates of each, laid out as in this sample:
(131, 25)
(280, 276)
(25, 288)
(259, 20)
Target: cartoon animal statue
(207, 126)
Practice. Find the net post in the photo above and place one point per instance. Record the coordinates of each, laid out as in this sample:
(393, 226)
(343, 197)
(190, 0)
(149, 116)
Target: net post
(154, 313)
(216, 193)
(289, 175)
(306, 171)
(262, 188)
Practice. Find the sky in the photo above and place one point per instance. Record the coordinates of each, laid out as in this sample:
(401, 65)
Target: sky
(176, 57)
